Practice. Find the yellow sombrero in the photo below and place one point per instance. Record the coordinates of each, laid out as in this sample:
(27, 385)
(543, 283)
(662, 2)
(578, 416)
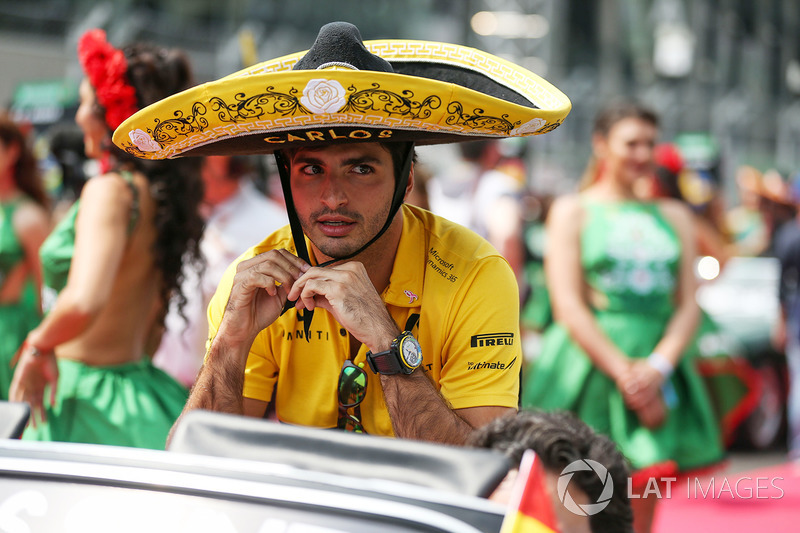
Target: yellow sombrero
(346, 90)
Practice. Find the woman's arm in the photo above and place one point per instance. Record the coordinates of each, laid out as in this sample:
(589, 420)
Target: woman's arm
(566, 284)
(32, 225)
(648, 375)
(683, 323)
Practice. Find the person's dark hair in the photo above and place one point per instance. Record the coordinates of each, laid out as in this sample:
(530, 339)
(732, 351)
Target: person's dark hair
(559, 439)
(398, 152)
(396, 149)
(473, 150)
(156, 73)
(667, 182)
(617, 111)
(26, 171)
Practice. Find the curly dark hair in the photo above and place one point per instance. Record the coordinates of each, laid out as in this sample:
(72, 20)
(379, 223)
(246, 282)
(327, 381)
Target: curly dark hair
(176, 186)
(26, 171)
(559, 438)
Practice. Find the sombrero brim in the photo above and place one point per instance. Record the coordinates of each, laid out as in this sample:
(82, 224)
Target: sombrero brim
(438, 93)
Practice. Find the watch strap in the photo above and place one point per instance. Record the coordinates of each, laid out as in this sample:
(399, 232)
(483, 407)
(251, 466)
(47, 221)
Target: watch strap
(384, 362)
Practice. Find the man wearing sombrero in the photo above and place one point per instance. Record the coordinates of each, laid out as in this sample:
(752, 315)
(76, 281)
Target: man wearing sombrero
(415, 319)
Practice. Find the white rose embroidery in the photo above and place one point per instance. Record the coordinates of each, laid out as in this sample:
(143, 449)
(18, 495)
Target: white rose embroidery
(143, 141)
(530, 126)
(323, 96)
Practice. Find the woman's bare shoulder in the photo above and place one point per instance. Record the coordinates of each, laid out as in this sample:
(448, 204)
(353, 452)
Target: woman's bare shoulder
(31, 214)
(676, 211)
(106, 187)
(566, 207)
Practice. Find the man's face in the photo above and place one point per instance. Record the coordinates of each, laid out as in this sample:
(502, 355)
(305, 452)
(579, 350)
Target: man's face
(627, 150)
(342, 194)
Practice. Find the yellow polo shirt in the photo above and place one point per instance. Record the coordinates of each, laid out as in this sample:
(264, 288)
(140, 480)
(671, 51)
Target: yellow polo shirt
(467, 302)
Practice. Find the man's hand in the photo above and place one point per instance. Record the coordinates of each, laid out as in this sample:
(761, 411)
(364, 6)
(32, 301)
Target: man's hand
(258, 294)
(349, 295)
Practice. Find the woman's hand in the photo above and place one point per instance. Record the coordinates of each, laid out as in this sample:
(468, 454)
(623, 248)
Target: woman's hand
(640, 386)
(35, 370)
(653, 414)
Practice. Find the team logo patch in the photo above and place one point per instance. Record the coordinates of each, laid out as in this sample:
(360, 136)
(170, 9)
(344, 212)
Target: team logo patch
(494, 365)
(491, 339)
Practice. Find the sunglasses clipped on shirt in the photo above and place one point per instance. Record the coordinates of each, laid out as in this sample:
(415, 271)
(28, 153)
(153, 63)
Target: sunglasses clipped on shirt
(352, 390)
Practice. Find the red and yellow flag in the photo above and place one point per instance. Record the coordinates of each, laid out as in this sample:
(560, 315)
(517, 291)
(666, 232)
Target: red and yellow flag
(530, 509)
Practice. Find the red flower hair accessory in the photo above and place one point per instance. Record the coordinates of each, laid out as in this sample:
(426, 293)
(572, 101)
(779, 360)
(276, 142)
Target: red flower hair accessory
(106, 68)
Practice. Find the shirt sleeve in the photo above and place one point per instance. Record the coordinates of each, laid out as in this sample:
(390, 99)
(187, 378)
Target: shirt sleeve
(482, 356)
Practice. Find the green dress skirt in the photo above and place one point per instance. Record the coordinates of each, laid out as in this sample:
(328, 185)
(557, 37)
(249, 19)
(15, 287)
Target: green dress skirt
(630, 256)
(134, 404)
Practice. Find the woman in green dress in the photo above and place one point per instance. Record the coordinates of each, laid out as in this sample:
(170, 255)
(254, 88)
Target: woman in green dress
(111, 266)
(24, 224)
(620, 274)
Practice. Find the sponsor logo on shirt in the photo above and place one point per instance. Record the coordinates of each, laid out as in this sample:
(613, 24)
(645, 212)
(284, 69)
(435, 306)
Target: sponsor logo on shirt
(491, 339)
(483, 365)
(441, 266)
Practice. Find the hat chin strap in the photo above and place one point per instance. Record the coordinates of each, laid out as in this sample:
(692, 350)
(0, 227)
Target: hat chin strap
(297, 230)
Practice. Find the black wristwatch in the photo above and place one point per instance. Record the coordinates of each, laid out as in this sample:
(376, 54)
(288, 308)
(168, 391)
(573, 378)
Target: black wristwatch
(402, 357)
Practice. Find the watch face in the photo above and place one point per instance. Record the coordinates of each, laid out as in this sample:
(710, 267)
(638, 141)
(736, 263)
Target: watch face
(412, 353)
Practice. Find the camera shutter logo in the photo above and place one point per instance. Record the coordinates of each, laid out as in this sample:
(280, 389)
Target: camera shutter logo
(588, 509)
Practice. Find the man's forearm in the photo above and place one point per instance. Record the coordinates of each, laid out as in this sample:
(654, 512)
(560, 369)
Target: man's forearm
(219, 383)
(418, 411)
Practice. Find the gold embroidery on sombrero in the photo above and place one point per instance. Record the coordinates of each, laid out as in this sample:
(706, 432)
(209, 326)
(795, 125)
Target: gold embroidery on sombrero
(167, 131)
(377, 99)
(478, 121)
(172, 128)
(269, 102)
(272, 103)
(550, 127)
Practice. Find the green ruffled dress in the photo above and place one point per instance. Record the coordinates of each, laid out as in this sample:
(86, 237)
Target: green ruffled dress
(630, 256)
(133, 404)
(18, 318)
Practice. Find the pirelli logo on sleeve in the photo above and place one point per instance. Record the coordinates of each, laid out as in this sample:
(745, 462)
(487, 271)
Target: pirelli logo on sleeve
(491, 339)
